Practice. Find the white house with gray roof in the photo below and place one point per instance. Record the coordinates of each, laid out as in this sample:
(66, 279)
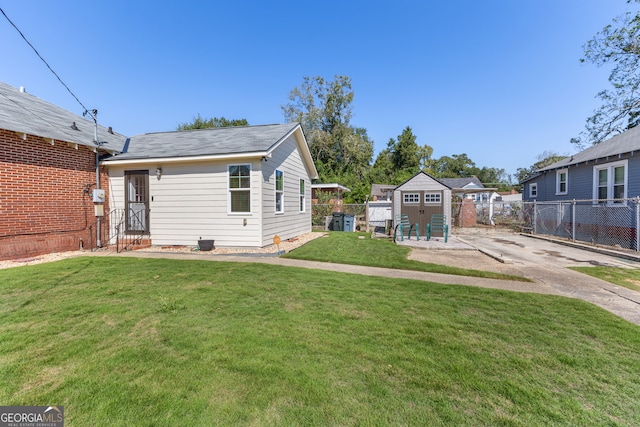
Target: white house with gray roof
(238, 186)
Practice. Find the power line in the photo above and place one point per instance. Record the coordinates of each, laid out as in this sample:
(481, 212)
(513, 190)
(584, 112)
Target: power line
(91, 113)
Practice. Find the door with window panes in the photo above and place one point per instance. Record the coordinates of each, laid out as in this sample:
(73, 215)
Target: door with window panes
(137, 201)
(420, 205)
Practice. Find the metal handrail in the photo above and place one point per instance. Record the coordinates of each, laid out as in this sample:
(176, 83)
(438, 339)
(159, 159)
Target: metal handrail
(115, 228)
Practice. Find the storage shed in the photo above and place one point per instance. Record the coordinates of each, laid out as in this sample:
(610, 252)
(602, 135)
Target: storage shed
(419, 198)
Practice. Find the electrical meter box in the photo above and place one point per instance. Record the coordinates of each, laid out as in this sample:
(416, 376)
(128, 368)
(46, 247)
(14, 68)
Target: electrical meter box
(98, 195)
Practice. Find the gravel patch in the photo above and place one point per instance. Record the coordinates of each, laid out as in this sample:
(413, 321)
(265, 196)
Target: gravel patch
(285, 245)
(39, 259)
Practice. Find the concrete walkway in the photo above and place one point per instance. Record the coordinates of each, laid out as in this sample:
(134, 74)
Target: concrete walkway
(547, 278)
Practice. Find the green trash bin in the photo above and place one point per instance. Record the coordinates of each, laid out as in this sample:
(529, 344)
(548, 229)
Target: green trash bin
(338, 218)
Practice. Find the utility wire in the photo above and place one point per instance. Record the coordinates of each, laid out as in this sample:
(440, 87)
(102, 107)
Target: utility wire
(86, 110)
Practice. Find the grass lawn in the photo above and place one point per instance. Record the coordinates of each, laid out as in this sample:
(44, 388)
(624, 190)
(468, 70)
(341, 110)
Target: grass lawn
(151, 342)
(361, 249)
(628, 278)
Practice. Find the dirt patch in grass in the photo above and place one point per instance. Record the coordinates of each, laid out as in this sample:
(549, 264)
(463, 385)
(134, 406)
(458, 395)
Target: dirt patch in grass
(469, 259)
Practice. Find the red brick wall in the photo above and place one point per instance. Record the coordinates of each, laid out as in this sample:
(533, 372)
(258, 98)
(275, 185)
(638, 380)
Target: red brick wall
(45, 195)
(468, 216)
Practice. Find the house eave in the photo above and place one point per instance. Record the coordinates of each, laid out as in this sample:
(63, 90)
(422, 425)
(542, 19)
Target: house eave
(190, 159)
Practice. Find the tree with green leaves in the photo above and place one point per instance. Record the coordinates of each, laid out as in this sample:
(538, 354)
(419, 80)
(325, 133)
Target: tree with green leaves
(454, 166)
(199, 123)
(493, 177)
(402, 159)
(406, 154)
(543, 160)
(617, 44)
(323, 108)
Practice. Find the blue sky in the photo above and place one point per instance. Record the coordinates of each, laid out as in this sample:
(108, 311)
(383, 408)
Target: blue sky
(499, 80)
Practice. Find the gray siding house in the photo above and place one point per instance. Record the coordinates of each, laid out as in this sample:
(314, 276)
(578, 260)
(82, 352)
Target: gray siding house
(590, 196)
(609, 172)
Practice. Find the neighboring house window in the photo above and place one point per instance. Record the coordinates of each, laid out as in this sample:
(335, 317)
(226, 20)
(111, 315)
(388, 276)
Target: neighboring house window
(240, 188)
(279, 191)
(533, 190)
(302, 199)
(610, 182)
(411, 198)
(432, 197)
(137, 201)
(562, 181)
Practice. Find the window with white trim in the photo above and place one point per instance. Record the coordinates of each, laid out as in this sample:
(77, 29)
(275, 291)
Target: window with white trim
(610, 182)
(432, 198)
(239, 188)
(533, 189)
(562, 181)
(302, 196)
(411, 197)
(279, 191)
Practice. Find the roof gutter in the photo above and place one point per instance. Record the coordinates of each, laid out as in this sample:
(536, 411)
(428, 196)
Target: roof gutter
(153, 160)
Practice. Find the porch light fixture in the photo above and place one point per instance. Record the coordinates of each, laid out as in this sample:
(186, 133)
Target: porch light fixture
(158, 173)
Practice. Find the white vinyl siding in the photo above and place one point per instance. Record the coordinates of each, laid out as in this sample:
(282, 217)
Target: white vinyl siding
(292, 221)
(190, 202)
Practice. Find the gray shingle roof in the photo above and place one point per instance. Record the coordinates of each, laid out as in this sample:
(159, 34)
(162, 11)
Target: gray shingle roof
(25, 113)
(206, 142)
(626, 142)
(461, 182)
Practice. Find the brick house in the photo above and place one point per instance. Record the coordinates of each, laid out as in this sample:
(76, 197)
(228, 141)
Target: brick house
(48, 174)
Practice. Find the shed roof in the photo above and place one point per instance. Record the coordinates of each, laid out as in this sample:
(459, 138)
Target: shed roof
(24, 113)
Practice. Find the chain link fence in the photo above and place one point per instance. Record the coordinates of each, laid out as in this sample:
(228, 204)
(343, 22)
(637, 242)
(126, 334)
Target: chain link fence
(510, 214)
(599, 222)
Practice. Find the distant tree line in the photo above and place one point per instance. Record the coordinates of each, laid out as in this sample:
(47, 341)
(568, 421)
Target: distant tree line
(344, 153)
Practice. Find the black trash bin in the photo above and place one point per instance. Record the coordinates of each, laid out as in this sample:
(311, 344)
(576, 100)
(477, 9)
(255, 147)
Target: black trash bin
(338, 221)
